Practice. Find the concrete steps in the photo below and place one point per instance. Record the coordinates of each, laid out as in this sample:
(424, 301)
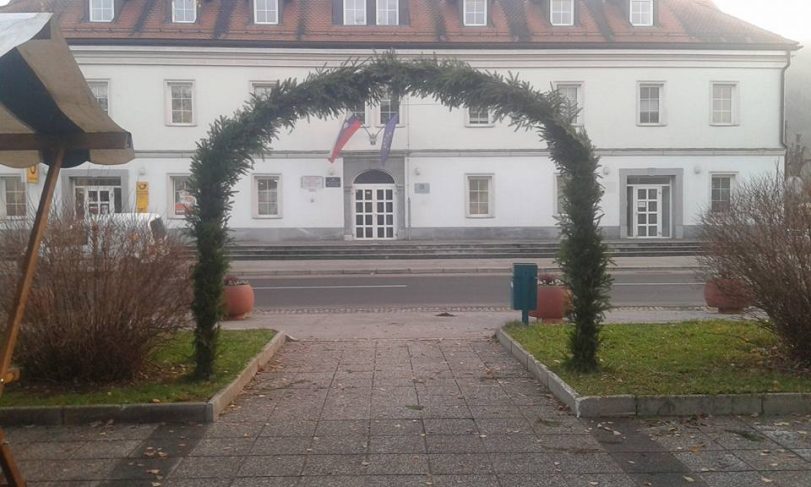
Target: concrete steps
(399, 250)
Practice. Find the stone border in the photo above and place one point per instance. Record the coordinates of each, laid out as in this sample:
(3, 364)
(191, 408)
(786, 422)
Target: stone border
(770, 404)
(186, 412)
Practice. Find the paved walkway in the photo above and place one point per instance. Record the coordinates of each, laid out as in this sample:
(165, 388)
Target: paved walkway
(257, 268)
(414, 413)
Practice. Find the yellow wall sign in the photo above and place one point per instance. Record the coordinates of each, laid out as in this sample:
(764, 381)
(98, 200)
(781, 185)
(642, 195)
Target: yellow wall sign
(141, 197)
(32, 174)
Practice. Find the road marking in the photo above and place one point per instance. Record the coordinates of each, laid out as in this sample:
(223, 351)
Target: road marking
(333, 287)
(658, 283)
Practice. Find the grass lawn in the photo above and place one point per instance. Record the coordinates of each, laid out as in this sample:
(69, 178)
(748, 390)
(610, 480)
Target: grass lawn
(710, 357)
(165, 380)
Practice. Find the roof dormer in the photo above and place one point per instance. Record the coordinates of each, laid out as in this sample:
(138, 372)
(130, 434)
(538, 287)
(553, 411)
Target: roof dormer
(370, 12)
(561, 12)
(102, 10)
(642, 13)
(184, 11)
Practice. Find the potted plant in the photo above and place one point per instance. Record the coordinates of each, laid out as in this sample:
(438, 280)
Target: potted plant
(554, 299)
(728, 294)
(239, 298)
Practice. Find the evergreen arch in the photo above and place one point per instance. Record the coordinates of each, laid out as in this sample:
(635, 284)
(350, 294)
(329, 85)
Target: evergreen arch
(232, 142)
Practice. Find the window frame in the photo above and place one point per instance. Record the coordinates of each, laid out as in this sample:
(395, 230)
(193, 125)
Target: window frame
(662, 112)
(254, 84)
(732, 176)
(491, 122)
(734, 104)
(106, 83)
(377, 113)
(365, 13)
(396, 13)
(580, 119)
(558, 194)
(464, 13)
(90, 11)
(365, 114)
(174, 13)
(490, 195)
(168, 102)
(20, 178)
(256, 11)
(552, 13)
(631, 12)
(255, 196)
(170, 178)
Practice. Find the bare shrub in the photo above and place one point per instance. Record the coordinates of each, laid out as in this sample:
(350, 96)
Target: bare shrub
(763, 240)
(106, 293)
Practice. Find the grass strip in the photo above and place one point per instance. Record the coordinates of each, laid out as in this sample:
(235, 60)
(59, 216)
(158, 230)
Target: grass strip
(694, 357)
(166, 380)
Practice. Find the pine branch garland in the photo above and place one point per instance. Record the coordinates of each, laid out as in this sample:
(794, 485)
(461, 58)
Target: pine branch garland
(227, 154)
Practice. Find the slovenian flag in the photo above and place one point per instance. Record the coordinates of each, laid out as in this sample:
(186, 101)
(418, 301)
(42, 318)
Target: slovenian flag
(388, 135)
(348, 129)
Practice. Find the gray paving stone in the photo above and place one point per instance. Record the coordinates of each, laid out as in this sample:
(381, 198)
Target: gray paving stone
(397, 464)
(350, 427)
(339, 445)
(280, 445)
(396, 427)
(465, 481)
(454, 444)
(272, 466)
(207, 467)
(397, 444)
(222, 447)
(525, 480)
(712, 461)
(304, 427)
(262, 482)
(450, 427)
(335, 465)
(460, 463)
(766, 460)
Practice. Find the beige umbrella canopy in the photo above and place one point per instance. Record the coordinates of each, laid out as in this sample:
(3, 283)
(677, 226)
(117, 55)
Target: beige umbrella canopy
(47, 115)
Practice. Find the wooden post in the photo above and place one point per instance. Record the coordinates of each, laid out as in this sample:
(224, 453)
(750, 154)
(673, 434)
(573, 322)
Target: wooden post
(15, 317)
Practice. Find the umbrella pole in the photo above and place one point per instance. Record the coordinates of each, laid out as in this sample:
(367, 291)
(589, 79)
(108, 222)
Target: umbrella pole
(15, 317)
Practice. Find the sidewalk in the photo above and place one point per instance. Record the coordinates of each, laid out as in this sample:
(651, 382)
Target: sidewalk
(268, 268)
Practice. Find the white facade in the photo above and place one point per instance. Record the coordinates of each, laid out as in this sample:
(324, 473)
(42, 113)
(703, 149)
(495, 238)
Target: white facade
(435, 150)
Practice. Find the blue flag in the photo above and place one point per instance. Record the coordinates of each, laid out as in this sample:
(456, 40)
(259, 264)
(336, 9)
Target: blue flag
(388, 135)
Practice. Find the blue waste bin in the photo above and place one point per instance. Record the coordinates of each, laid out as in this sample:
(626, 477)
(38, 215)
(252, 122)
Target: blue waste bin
(525, 289)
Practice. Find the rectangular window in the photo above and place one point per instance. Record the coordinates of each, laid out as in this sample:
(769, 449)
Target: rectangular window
(561, 12)
(354, 12)
(721, 192)
(266, 189)
(723, 103)
(642, 13)
(102, 10)
(389, 107)
(266, 11)
(184, 11)
(262, 88)
(650, 104)
(101, 91)
(388, 12)
(359, 111)
(182, 199)
(479, 196)
(573, 93)
(12, 197)
(479, 117)
(559, 183)
(475, 12)
(180, 97)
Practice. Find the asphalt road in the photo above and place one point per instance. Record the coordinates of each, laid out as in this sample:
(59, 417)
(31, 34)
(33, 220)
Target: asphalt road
(630, 289)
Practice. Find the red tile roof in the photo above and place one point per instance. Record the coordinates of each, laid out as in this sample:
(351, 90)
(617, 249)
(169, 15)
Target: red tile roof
(432, 24)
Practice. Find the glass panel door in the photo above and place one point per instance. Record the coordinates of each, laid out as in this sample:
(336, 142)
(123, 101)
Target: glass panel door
(374, 212)
(647, 207)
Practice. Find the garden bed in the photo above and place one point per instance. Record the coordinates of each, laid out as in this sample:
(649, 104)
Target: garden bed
(712, 367)
(165, 391)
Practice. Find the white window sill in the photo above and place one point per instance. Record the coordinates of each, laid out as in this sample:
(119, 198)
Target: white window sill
(651, 124)
(266, 23)
(267, 217)
(479, 125)
(479, 217)
(712, 124)
(169, 124)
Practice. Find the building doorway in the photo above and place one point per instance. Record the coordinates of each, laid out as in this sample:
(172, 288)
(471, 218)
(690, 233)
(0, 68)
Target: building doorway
(649, 207)
(97, 196)
(374, 206)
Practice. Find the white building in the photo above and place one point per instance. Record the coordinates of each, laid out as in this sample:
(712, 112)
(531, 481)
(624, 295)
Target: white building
(680, 99)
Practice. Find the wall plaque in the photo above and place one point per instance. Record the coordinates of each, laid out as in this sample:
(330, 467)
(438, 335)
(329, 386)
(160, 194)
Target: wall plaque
(333, 182)
(312, 183)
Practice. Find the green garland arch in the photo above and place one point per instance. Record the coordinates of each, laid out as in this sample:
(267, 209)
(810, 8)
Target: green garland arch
(227, 154)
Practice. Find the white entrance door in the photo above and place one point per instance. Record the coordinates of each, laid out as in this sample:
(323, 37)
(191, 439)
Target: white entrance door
(95, 200)
(374, 211)
(647, 207)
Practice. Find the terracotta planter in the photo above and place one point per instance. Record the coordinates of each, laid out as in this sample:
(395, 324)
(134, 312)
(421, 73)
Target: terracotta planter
(553, 303)
(728, 295)
(238, 301)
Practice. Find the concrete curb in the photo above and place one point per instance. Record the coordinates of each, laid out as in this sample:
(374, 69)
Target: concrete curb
(186, 412)
(427, 271)
(770, 404)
